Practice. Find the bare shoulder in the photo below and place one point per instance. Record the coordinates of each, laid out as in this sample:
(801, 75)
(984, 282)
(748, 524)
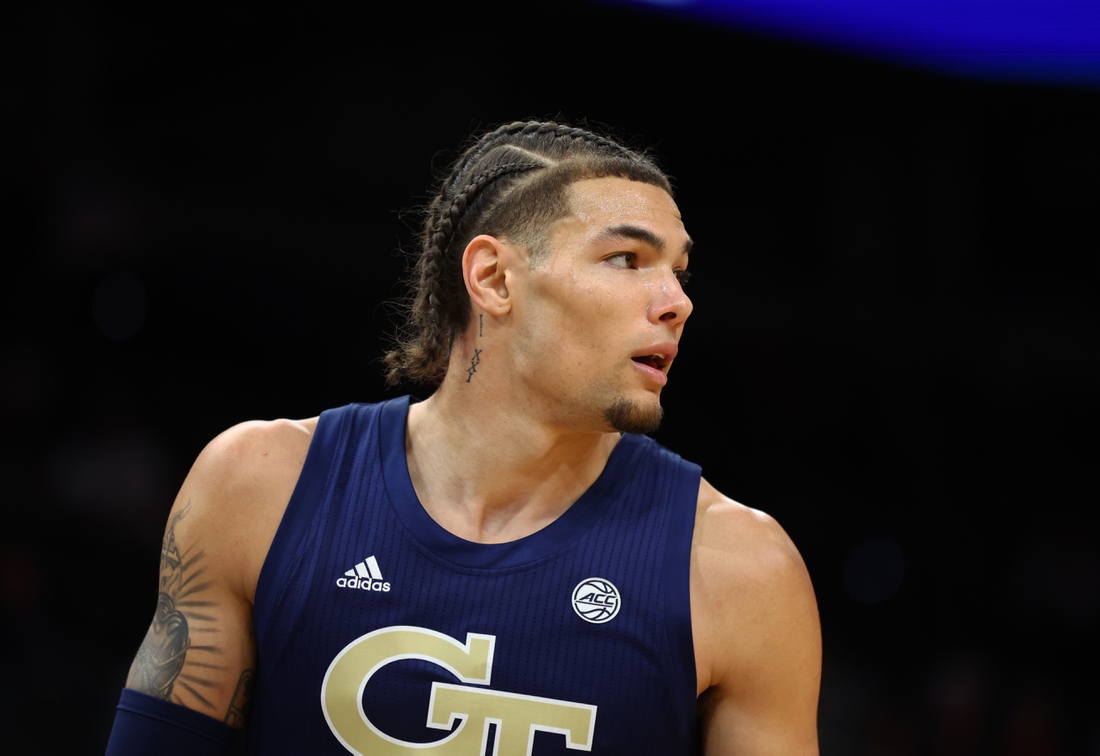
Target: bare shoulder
(756, 630)
(238, 489)
(255, 457)
(733, 535)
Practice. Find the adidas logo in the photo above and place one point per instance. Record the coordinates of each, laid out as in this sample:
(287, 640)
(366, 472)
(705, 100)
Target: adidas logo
(365, 576)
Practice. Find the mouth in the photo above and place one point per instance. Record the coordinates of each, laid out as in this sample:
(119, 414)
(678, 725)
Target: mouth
(659, 361)
(656, 356)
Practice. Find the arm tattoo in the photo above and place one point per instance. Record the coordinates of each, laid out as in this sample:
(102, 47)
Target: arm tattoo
(241, 698)
(168, 664)
(473, 365)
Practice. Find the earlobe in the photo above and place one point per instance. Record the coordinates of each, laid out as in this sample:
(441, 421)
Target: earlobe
(485, 264)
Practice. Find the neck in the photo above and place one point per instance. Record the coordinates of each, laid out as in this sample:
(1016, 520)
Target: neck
(489, 464)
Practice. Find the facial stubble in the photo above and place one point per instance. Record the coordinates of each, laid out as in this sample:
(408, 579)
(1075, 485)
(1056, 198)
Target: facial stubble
(626, 416)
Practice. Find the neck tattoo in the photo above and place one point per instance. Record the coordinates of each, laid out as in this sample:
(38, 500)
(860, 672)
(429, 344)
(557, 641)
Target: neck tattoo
(481, 324)
(473, 365)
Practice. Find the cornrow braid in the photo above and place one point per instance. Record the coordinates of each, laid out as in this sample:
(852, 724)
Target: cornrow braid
(520, 129)
(512, 183)
(435, 279)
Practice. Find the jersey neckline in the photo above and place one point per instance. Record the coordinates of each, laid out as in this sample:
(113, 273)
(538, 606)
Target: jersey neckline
(576, 520)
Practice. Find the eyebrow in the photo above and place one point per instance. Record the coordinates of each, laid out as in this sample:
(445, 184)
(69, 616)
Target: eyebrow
(629, 231)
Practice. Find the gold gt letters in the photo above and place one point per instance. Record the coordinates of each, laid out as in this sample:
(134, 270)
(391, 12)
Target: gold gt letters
(517, 717)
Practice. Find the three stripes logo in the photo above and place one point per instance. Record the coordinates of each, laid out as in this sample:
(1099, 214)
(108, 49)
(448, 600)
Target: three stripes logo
(365, 576)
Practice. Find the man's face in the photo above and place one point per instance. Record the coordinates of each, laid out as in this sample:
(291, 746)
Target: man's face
(603, 311)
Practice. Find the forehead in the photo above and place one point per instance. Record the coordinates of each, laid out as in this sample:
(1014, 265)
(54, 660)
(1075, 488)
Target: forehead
(601, 203)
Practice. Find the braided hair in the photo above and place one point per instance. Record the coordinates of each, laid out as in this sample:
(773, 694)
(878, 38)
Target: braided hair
(510, 183)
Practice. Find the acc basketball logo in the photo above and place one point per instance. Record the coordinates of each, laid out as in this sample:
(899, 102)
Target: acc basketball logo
(517, 717)
(596, 600)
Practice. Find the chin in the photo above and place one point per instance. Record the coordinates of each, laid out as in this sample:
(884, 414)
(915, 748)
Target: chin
(627, 416)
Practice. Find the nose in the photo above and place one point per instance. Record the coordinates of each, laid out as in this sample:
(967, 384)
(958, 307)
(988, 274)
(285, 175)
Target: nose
(671, 306)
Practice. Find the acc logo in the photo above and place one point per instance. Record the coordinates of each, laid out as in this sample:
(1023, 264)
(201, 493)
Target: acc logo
(596, 600)
(471, 705)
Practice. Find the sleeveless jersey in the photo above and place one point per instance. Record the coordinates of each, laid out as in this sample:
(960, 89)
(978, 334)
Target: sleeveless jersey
(380, 632)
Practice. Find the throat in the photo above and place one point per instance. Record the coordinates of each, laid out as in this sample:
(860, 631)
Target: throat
(499, 489)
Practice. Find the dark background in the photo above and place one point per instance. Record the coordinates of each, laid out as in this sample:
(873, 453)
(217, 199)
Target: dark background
(893, 351)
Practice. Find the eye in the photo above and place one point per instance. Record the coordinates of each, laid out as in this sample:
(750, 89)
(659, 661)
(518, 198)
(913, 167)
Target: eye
(624, 260)
(683, 276)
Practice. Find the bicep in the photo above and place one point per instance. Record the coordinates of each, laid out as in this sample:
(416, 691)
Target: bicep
(772, 711)
(768, 704)
(198, 651)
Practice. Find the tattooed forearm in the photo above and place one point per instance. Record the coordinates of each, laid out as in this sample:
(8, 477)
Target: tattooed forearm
(241, 698)
(473, 365)
(168, 665)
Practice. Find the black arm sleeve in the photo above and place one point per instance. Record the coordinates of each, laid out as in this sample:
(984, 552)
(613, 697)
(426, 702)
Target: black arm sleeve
(148, 725)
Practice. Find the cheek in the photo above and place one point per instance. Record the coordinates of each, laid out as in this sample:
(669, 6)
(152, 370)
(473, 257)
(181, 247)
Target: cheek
(565, 297)
(573, 313)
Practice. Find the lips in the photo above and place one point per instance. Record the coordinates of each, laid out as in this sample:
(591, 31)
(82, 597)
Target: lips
(656, 356)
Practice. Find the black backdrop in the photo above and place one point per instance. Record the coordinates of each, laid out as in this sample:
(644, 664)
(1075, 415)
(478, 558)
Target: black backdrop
(893, 351)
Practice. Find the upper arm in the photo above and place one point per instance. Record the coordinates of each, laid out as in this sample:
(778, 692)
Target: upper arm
(758, 636)
(200, 650)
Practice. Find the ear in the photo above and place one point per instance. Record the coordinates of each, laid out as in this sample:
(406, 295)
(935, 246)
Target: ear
(487, 266)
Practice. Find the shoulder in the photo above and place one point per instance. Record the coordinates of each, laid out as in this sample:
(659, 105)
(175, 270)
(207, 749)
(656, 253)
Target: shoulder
(756, 631)
(255, 455)
(748, 583)
(237, 491)
(744, 544)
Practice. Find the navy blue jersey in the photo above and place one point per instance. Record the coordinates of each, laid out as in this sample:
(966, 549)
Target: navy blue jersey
(379, 632)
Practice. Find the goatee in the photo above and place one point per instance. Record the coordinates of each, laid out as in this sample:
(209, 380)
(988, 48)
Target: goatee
(629, 417)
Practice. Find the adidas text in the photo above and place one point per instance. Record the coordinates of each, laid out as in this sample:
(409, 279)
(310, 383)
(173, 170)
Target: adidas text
(363, 584)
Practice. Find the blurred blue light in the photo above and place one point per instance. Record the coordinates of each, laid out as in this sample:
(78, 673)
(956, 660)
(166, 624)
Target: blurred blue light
(1028, 40)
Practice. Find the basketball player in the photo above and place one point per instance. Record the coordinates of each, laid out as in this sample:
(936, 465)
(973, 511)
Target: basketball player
(509, 567)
